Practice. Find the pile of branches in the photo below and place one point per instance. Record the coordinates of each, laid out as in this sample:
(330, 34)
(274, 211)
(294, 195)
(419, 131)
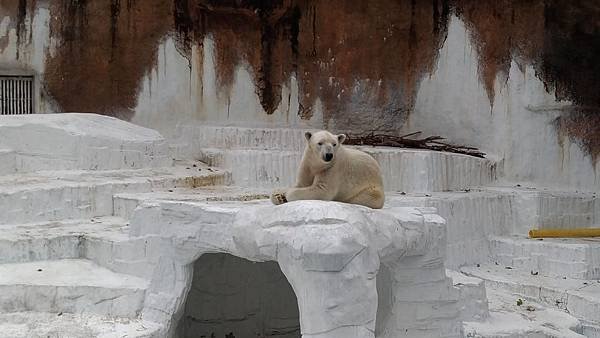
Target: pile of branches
(408, 141)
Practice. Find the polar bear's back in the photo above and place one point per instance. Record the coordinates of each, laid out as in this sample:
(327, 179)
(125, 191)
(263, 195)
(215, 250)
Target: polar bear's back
(359, 172)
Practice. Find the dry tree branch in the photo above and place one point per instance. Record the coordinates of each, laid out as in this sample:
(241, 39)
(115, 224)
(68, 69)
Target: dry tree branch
(431, 142)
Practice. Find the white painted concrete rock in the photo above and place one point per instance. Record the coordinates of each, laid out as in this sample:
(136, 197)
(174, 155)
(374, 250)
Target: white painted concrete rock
(77, 141)
(337, 258)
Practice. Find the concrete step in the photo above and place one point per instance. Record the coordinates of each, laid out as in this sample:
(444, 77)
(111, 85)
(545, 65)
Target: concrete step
(194, 137)
(580, 298)
(547, 208)
(80, 141)
(530, 319)
(472, 302)
(571, 257)
(56, 195)
(256, 168)
(55, 240)
(125, 203)
(402, 169)
(55, 325)
(103, 240)
(71, 286)
(473, 216)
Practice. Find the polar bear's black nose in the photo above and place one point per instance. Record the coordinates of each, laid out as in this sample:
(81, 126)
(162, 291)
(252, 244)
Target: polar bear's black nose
(328, 157)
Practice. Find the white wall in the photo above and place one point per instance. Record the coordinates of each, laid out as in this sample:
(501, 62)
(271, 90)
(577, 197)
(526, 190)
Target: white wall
(518, 126)
(183, 91)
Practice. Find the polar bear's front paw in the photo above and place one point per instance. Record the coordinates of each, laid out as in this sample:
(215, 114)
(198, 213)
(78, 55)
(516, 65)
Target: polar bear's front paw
(278, 198)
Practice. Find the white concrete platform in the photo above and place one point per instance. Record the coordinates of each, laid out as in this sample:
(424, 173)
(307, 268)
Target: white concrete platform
(531, 319)
(56, 195)
(79, 141)
(475, 215)
(327, 251)
(471, 218)
(69, 285)
(581, 298)
(125, 203)
(269, 157)
(103, 240)
(402, 169)
(191, 138)
(55, 325)
(577, 258)
(58, 239)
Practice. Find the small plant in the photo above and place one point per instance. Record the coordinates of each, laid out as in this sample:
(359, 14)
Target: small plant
(519, 302)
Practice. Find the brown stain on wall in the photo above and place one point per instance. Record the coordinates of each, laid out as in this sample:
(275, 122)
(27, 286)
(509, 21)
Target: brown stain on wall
(105, 49)
(561, 39)
(570, 67)
(362, 60)
(502, 30)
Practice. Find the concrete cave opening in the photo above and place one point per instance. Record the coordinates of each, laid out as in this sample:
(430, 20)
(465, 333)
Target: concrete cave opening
(231, 297)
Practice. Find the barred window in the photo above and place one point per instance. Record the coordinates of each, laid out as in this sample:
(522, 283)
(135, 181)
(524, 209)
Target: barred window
(16, 95)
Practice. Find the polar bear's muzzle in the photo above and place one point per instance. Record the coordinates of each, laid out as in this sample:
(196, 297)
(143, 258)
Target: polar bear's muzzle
(328, 157)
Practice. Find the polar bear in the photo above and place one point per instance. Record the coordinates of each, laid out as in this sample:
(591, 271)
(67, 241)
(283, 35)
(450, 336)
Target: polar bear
(331, 172)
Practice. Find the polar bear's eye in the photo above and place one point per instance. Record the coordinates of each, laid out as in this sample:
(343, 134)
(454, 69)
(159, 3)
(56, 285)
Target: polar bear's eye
(335, 144)
(320, 143)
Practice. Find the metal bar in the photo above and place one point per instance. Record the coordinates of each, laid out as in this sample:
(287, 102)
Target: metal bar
(13, 96)
(19, 96)
(22, 97)
(2, 97)
(11, 93)
(31, 96)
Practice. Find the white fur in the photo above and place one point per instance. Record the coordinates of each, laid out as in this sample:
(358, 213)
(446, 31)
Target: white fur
(351, 176)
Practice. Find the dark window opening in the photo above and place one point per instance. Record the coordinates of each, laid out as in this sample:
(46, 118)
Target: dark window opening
(16, 95)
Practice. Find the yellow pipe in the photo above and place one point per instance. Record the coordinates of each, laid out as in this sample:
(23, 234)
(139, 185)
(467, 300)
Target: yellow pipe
(564, 233)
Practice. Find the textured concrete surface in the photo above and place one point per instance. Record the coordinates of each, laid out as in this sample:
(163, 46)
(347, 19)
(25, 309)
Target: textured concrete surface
(71, 285)
(349, 271)
(44, 325)
(530, 319)
(56, 195)
(573, 257)
(58, 239)
(260, 157)
(579, 297)
(80, 141)
(327, 250)
(473, 301)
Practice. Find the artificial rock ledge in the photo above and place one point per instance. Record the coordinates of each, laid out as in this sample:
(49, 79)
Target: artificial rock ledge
(338, 258)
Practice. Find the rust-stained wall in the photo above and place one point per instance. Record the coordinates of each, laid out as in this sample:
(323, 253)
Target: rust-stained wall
(357, 65)
(561, 39)
(105, 47)
(362, 60)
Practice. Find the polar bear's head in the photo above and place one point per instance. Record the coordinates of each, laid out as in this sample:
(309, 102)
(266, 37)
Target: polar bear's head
(324, 144)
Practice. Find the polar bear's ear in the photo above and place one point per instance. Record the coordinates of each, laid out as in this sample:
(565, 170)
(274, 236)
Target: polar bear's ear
(308, 135)
(341, 138)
